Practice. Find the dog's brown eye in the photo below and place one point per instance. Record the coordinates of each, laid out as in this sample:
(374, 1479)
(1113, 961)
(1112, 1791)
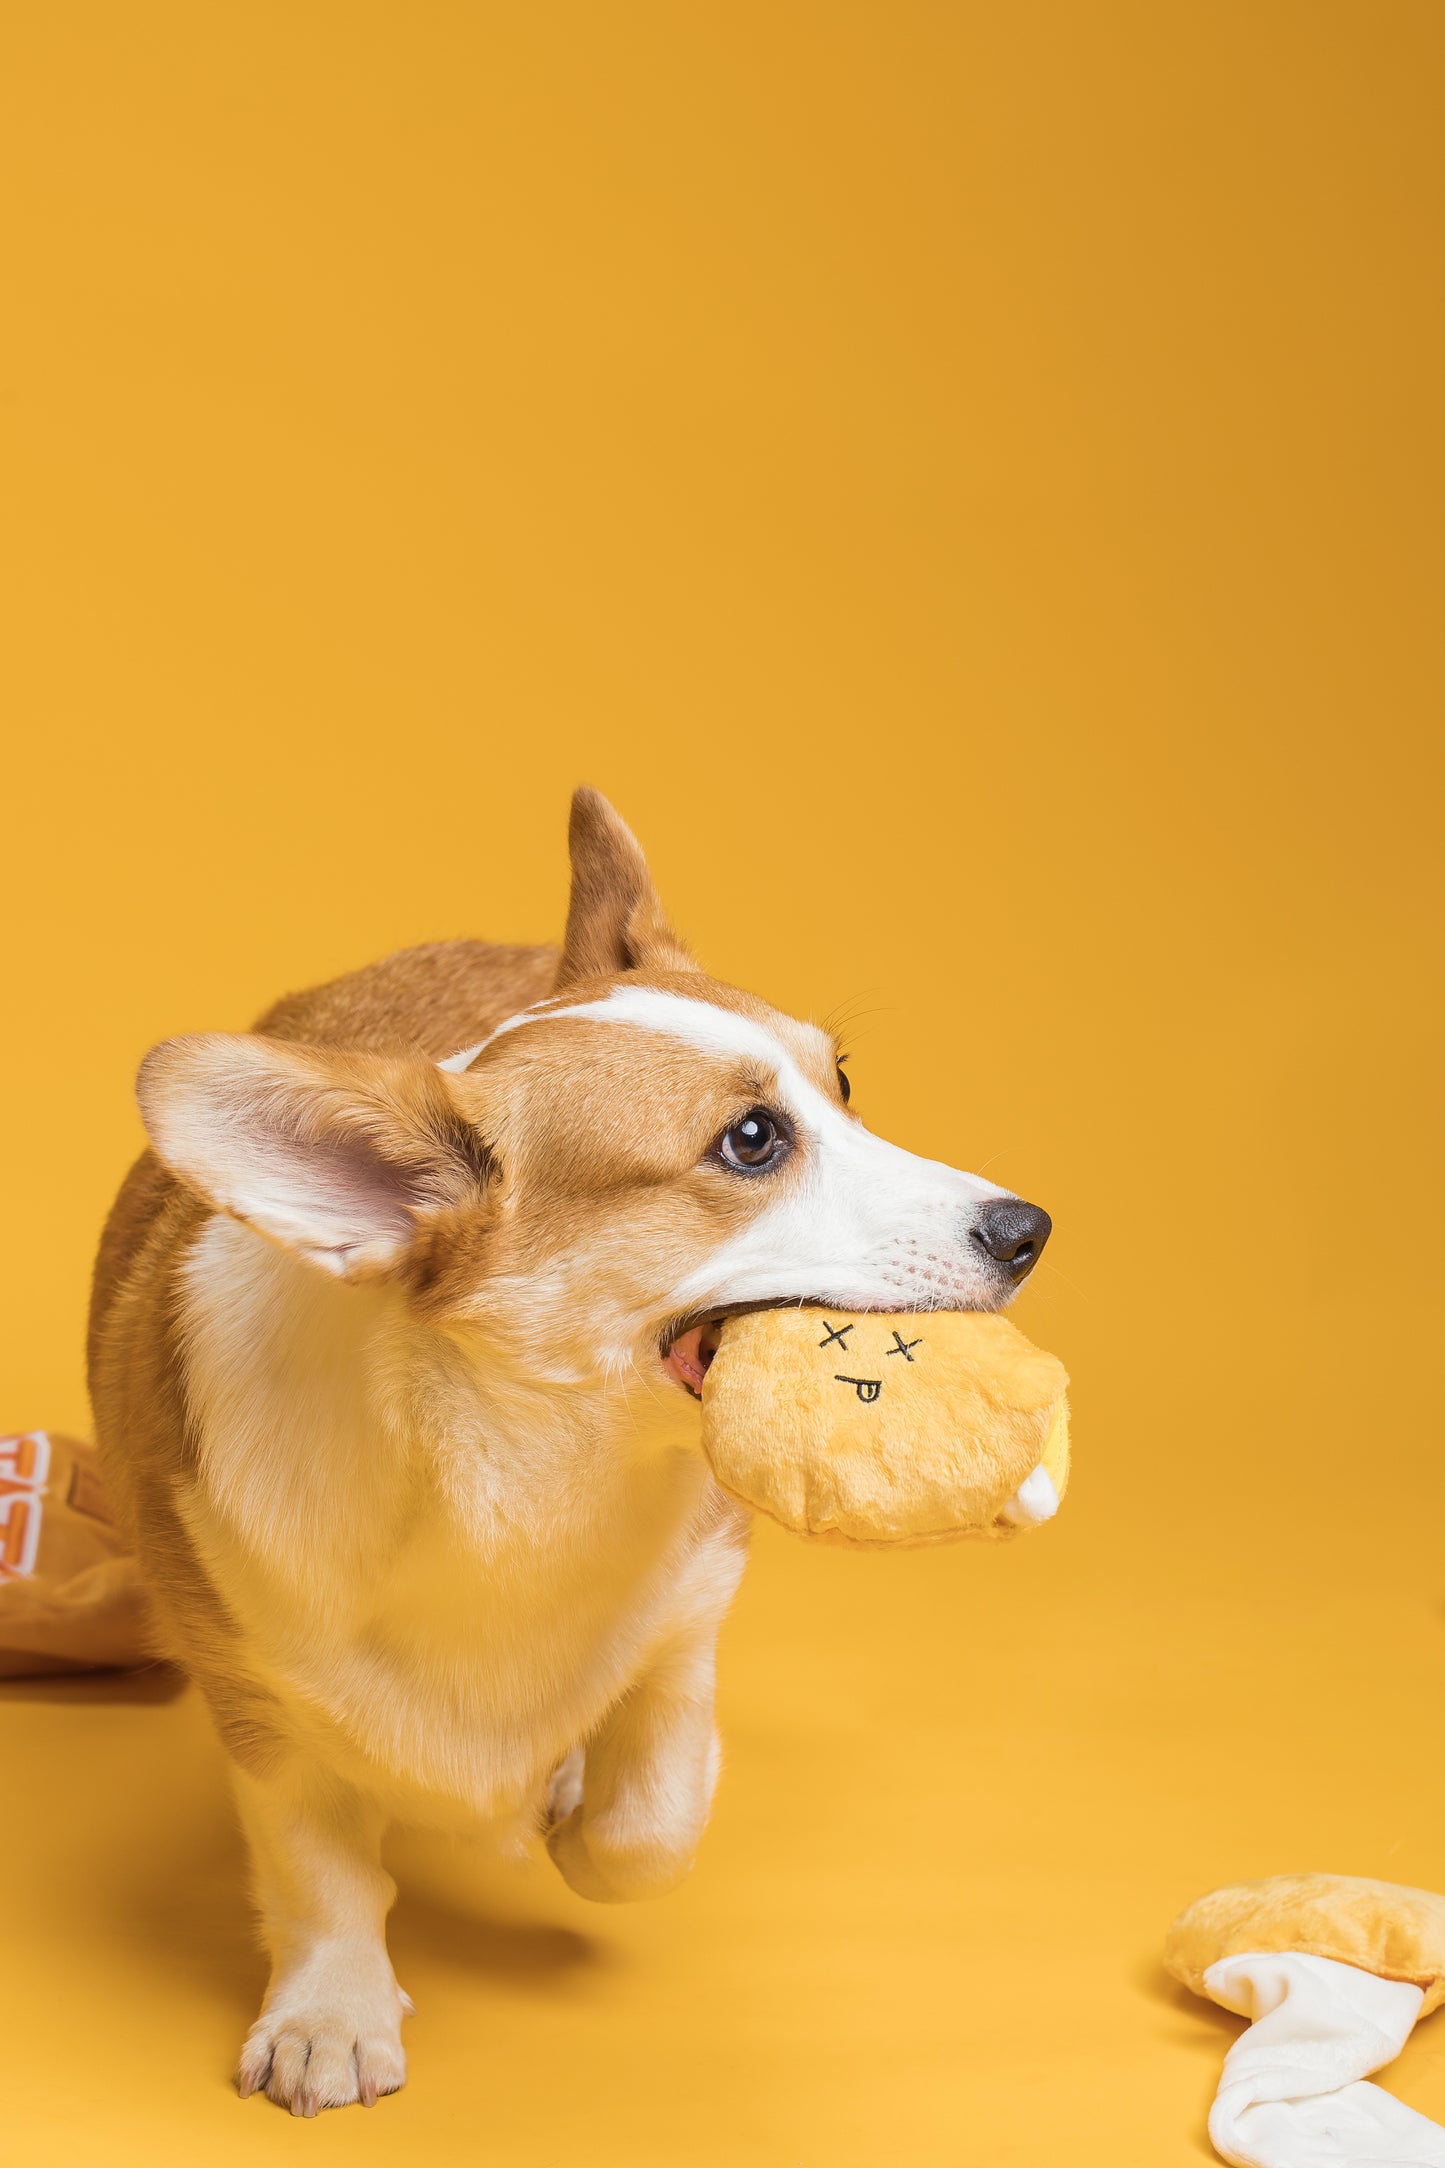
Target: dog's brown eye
(754, 1141)
(843, 1085)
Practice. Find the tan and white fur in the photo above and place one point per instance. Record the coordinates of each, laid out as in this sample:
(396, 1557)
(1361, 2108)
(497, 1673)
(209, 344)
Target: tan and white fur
(394, 1346)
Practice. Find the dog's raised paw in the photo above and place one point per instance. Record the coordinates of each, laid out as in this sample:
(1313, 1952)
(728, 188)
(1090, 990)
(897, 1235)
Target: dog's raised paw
(564, 1790)
(307, 2060)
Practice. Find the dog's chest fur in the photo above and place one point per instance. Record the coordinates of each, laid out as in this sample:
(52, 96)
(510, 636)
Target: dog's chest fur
(446, 1574)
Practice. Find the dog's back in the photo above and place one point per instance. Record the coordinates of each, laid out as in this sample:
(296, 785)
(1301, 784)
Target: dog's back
(430, 1000)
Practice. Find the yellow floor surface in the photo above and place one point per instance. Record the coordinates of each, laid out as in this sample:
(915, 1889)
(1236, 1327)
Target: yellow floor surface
(965, 478)
(965, 1793)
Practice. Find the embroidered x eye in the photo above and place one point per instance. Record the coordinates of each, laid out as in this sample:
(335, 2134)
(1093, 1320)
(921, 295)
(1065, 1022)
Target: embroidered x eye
(835, 1333)
(901, 1347)
(755, 1141)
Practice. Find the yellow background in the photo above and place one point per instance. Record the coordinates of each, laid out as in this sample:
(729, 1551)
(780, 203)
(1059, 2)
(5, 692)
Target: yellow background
(966, 479)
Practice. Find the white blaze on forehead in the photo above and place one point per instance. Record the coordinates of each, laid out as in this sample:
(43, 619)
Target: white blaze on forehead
(456, 1063)
(870, 1225)
(710, 1029)
(700, 1023)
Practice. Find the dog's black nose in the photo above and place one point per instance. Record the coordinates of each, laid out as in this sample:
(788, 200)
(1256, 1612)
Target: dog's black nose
(1013, 1233)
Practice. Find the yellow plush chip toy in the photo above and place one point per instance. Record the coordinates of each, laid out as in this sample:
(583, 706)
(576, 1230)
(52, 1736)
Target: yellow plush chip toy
(1333, 1971)
(887, 1430)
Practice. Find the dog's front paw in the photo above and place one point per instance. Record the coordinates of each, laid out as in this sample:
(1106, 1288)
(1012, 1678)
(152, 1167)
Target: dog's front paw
(309, 2052)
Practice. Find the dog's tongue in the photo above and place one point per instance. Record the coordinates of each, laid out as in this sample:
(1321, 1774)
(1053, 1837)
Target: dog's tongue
(690, 1354)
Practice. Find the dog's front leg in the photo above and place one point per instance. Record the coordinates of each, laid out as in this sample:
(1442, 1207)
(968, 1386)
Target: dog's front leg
(330, 2028)
(647, 1784)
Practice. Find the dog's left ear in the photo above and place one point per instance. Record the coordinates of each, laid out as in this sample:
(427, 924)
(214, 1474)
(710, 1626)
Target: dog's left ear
(615, 921)
(346, 1158)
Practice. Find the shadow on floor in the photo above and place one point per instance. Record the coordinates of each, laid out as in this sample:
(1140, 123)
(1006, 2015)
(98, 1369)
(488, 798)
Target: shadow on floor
(529, 1956)
(79, 1689)
(1204, 2029)
(182, 1906)
(1207, 2017)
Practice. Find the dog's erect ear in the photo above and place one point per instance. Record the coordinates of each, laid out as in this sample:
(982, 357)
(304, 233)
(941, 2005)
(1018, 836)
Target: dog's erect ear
(340, 1156)
(615, 921)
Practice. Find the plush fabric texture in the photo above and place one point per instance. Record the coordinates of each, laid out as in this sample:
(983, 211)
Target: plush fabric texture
(878, 1430)
(1294, 2093)
(70, 1598)
(1381, 1927)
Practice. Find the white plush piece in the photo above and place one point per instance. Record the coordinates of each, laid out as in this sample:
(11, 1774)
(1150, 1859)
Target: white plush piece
(1293, 2093)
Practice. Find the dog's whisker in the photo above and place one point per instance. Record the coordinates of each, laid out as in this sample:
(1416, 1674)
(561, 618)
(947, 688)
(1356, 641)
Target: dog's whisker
(1046, 1265)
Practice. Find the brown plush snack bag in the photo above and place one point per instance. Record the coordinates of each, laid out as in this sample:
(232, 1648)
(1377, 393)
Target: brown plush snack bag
(70, 1597)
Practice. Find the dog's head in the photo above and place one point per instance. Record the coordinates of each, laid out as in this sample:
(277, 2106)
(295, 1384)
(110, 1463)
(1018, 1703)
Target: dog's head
(594, 1184)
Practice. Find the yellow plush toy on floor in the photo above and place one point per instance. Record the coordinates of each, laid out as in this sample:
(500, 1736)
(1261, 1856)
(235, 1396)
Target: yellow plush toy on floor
(1333, 1971)
(872, 1429)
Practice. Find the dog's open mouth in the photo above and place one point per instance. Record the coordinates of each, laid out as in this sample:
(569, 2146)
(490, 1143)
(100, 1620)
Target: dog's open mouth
(689, 1344)
(688, 1347)
(691, 1352)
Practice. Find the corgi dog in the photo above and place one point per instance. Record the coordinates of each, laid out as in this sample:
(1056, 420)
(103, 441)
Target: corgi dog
(396, 1340)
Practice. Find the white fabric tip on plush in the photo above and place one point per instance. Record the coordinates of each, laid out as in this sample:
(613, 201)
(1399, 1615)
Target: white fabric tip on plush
(1292, 2094)
(1034, 1502)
